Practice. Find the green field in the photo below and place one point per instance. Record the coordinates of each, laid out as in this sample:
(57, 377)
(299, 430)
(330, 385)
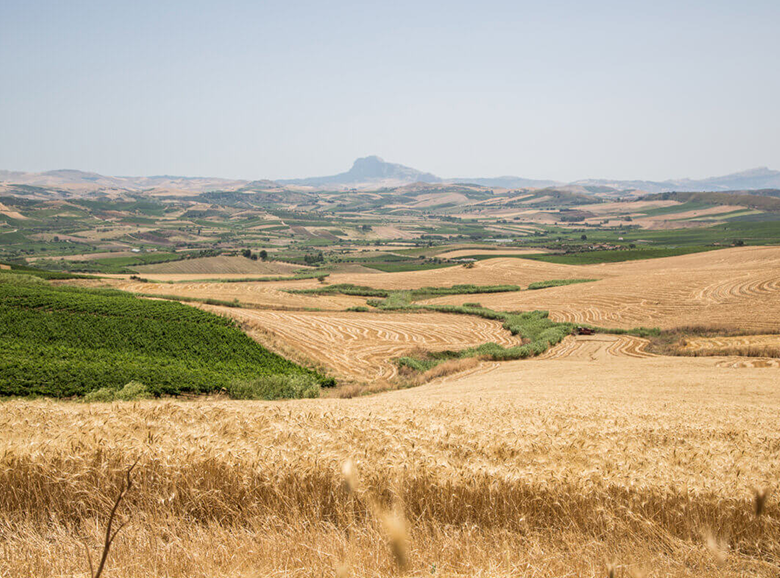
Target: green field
(615, 256)
(24, 270)
(681, 208)
(65, 341)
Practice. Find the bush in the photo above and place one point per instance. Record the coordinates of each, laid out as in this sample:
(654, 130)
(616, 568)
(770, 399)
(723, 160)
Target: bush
(20, 279)
(557, 283)
(132, 391)
(275, 387)
(359, 309)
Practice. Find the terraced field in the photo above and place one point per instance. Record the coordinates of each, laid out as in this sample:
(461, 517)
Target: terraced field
(360, 346)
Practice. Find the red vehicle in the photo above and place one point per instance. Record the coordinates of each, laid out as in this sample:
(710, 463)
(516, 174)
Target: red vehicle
(585, 331)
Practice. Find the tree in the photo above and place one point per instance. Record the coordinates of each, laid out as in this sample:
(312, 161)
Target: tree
(264, 255)
(246, 253)
(584, 237)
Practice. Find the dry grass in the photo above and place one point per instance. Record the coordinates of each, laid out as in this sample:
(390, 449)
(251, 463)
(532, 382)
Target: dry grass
(451, 366)
(517, 469)
(767, 346)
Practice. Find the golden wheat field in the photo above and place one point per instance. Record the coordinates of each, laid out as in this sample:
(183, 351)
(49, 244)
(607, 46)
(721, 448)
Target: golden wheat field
(557, 467)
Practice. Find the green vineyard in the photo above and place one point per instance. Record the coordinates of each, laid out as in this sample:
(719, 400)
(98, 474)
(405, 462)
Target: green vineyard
(67, 341)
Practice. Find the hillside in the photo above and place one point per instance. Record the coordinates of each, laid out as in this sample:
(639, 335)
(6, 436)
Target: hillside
(65, 341)
(371, 170)
(220, 265)
(770, 203)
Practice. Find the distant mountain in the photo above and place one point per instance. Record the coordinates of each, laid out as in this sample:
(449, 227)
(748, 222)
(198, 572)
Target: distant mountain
(366, 172)
(508, 182)
(81, 180)
(759, 178)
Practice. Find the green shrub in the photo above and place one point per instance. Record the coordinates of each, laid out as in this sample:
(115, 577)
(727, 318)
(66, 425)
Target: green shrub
(557, 283)
(20, 279)
(132, 391)
(359, 308)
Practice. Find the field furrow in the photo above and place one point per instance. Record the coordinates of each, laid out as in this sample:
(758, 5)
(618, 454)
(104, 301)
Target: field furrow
(597, 347)
(361, 346)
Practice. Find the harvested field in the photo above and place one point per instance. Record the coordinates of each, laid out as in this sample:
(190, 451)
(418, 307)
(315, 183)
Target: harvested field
(598, 347)
(267, 295)
(360, 346)
(712, 211)
(541, 468)
(741, 342)
(9, 213)
(387, 232)
(727, 288)
(115, 232)
(219, 265)
(90, 256)
(499, 271)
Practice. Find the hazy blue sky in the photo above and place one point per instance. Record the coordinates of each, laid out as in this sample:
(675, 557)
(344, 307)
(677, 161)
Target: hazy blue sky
(543, 89)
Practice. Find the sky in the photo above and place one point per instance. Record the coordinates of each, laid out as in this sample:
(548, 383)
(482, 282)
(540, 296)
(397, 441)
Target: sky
(549, 89)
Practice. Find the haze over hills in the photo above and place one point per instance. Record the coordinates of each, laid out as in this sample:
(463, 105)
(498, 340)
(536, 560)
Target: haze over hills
(369, 171)
(373, 172)
(68, 178)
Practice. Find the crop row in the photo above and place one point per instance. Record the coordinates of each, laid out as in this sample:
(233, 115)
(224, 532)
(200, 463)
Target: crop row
(65, 341)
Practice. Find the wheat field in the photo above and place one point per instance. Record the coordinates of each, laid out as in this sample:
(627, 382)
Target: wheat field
(531, 468)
